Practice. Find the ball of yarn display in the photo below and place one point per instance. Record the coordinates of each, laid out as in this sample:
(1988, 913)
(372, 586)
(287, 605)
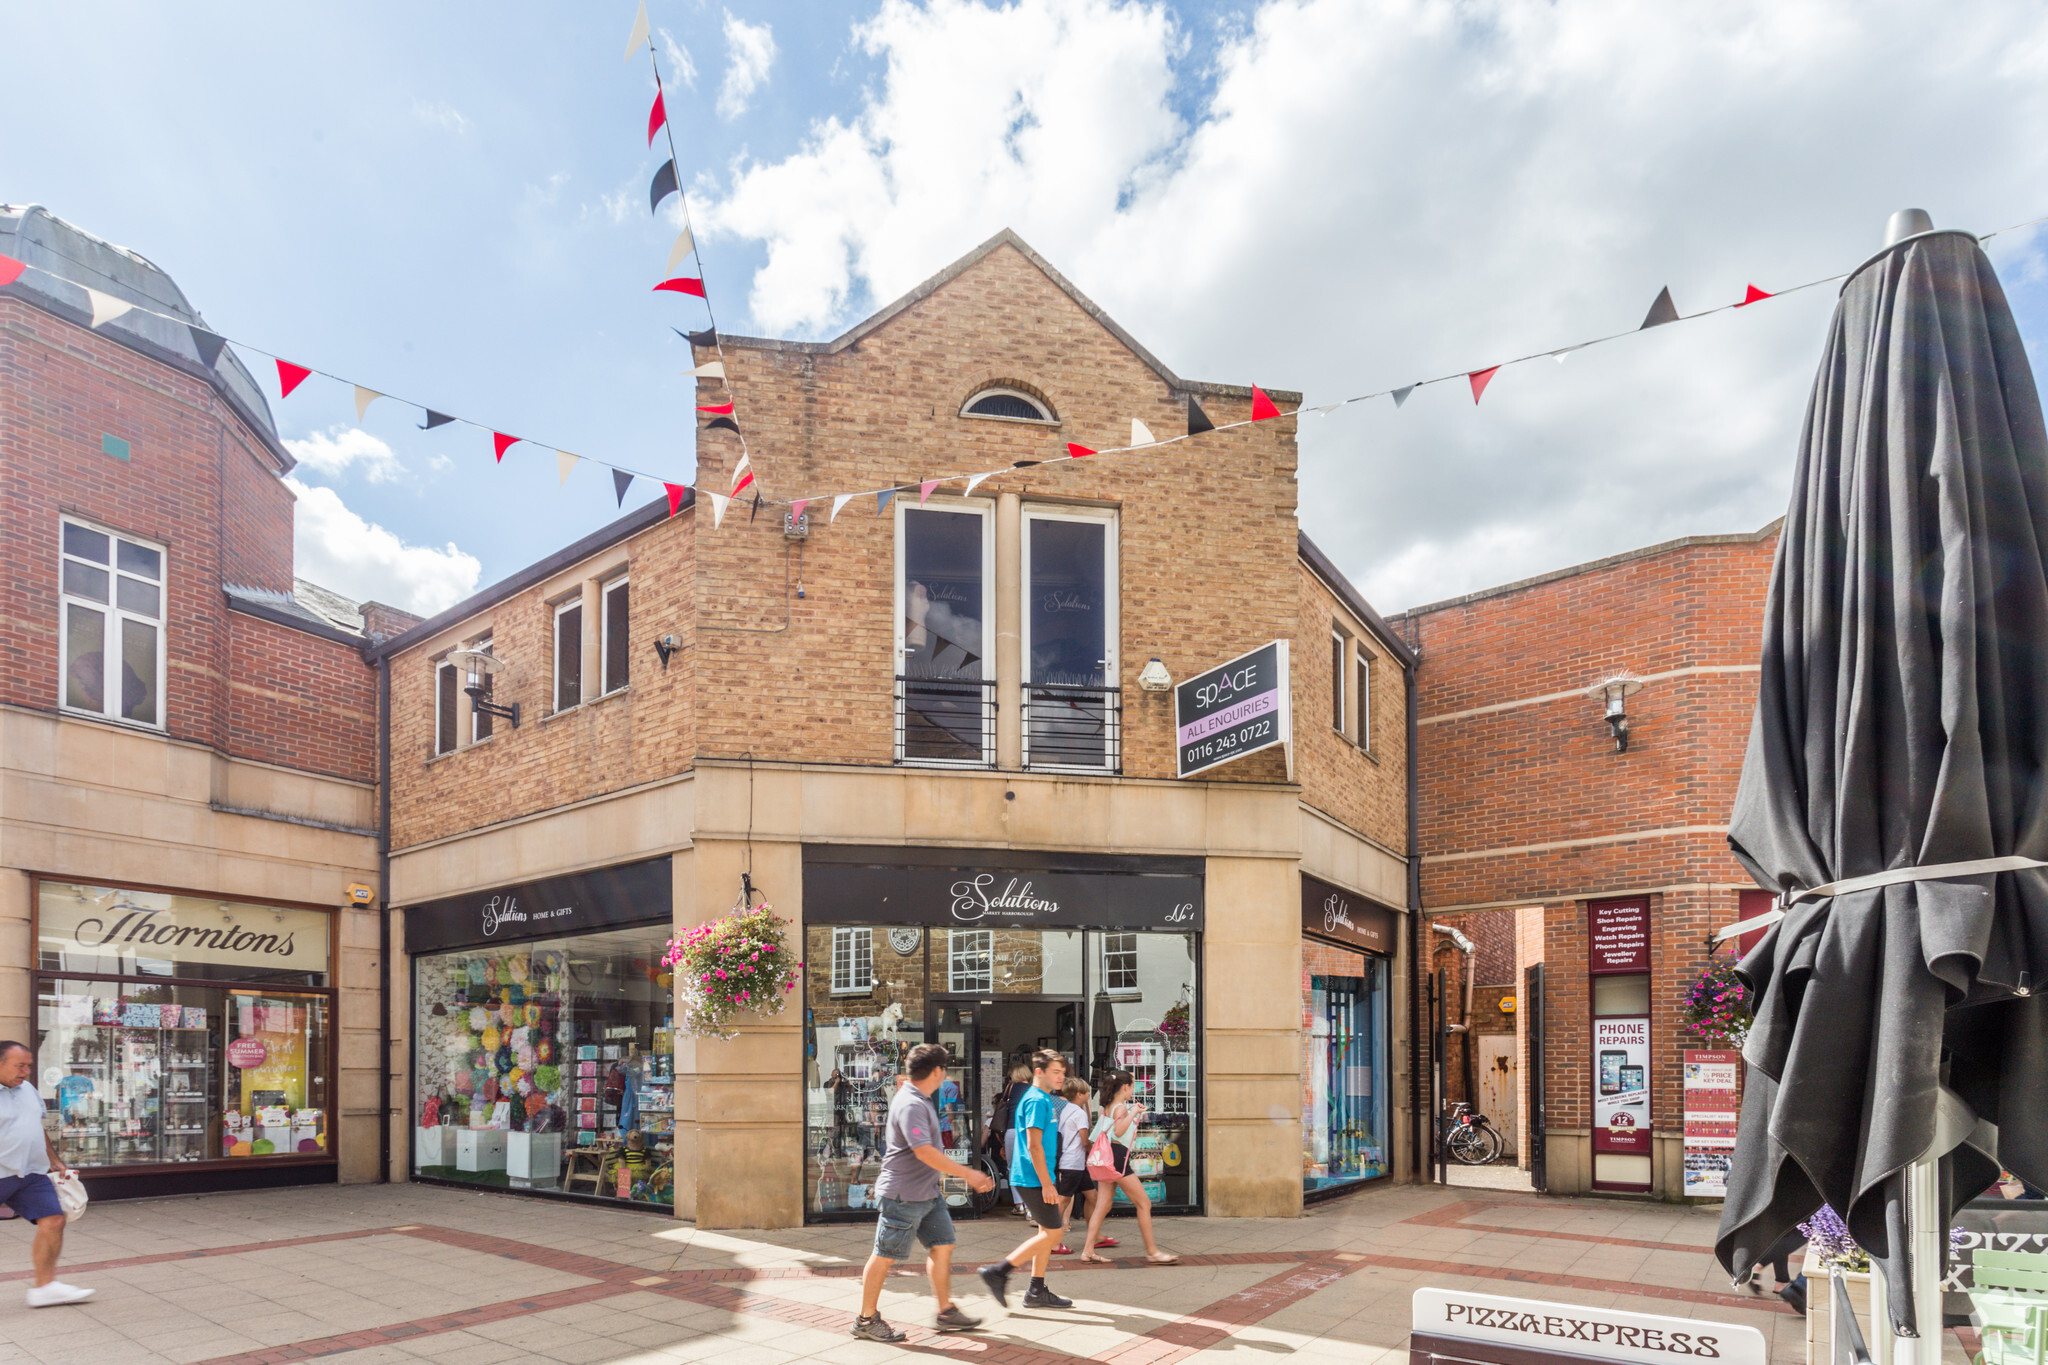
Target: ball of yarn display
(479, 1019)
(536, 1105)
(491, 972)
(508, 1014)
(547, 1077)
(513, 1078)
(519, 1037)
(504, 1060)
(525, 1086)
(492, 1038)
(544, 1051)
(533, 1015)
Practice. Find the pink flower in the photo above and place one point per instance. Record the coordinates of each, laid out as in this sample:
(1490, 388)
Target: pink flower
(744, 995)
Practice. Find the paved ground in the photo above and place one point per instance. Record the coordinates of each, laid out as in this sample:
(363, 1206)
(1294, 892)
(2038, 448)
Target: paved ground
(407, 1273)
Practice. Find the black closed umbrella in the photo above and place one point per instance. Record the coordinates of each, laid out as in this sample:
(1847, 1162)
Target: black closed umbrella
(1895, 774)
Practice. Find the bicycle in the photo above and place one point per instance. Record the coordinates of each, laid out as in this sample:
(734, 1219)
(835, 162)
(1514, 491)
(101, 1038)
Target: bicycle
(1469, 1137)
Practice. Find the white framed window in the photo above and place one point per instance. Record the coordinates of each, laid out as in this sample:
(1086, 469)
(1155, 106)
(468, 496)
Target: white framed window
(479, 722)
(569, 655)
(616, 641)
(1072, 713)
(853, 961)
(447, 707)
(1338, 667)
(1007, 405)
(110, 609)
(945, 614)
(970, 960)
(1364, 697)
(1120, 964)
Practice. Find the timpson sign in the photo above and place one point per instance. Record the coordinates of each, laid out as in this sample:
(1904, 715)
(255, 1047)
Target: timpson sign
(1452, 1325)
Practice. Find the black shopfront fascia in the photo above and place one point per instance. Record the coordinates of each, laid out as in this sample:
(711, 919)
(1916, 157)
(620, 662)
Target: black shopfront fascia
(1345, 919)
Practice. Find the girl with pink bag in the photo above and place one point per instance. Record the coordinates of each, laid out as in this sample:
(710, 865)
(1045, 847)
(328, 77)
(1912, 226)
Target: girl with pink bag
(1109, 1161)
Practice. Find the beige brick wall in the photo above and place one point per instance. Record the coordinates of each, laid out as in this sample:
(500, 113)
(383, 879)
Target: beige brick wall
(1363, 788)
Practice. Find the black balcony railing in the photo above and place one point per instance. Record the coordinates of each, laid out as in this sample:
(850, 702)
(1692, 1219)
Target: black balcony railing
(946, 720)
(1073, 727)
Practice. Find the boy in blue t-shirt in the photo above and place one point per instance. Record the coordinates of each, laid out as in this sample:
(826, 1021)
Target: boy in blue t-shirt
(1031, 1175)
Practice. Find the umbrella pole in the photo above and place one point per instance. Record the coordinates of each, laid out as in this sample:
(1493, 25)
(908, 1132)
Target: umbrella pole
(1925, 1262)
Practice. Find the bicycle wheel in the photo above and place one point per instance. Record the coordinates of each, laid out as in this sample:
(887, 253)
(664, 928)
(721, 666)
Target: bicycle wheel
(1466, 1146)
(983, 1203)
(1491, 1141)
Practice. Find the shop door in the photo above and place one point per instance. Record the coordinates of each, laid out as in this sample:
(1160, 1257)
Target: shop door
(1497, 1085)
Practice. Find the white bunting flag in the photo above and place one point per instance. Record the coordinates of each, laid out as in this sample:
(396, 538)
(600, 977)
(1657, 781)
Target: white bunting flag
(105, 307)
(719, 502)
(637, 39)
(1141, 435)
(564, 462)
(1328, 408)
(975, 479)
(1401, 395)
(710, 369)
(683, 247)
(840, 501)
(365, 397)
(740, 468)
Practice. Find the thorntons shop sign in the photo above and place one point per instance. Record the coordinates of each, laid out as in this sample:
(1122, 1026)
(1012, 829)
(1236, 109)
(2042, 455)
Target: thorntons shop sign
(1131, 893)
(1454, 1325)
(98, 928)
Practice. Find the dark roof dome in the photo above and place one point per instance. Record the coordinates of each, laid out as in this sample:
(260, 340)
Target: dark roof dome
(50, 246)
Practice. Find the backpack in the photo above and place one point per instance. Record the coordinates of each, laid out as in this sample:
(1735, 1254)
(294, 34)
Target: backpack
(1003, 1119)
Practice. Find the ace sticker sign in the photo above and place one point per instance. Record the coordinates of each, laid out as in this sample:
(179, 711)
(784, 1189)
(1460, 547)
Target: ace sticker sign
(1232, 710)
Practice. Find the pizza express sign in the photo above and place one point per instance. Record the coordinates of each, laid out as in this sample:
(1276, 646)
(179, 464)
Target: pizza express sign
(1492, 1329)
(632, 893)
(1002, 897)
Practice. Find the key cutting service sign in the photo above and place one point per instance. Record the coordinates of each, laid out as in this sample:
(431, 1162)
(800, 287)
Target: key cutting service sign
(1234, 709)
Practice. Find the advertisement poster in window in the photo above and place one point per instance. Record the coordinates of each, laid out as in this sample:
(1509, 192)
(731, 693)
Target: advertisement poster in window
(1621, 1084)
(1713, 1103)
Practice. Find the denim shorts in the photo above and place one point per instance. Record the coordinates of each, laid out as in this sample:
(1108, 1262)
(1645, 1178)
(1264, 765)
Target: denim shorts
(32, 1196)
(926, 1220)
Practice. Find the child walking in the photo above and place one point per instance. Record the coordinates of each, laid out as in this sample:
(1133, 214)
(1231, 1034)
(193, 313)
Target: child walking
(1120, 1120)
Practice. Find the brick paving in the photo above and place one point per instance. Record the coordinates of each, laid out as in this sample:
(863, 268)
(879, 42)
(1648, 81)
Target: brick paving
(408, 1273)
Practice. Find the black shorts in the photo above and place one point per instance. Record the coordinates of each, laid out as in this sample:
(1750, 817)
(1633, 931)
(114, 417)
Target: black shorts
(1068, 1183)
(1121, 1156)
(1044, 1212)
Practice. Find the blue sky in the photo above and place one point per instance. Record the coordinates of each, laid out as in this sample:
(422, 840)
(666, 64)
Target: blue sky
(1328, 195)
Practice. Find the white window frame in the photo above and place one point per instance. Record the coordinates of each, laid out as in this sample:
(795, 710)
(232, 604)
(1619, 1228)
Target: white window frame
(604, 633)
(555, 664)
(110, 636)
(1340, 682)
(1362, 674)
(985, 665)
(482, 644)
(963, 946)
(858, 945)
(443, 743)
(1120, 951)
(1044, 419)
(1112, 624)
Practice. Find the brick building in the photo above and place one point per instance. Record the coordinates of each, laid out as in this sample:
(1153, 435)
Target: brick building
(1606, 869)
(916, 727)
(187, 752)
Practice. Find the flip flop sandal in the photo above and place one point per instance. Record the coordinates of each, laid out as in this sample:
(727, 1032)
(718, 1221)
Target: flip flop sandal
(1063, 1250)
(1105, 1241)
(1090, 1258)
(1162, 1260)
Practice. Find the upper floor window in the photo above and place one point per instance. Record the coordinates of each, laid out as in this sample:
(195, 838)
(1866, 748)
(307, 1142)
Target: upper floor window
(970, 960)
(111, 609)
(1339, 666)
(616, 653)
(853, 961)
(452, 682)
(1009, 405)
(944, 703)
(1364, 697)
(569, 655)
(480, 721)
(1071, 714)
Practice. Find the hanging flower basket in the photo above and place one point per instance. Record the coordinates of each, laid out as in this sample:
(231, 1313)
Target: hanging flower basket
(728, 966)
(1175, 1027)
(1716, 1010)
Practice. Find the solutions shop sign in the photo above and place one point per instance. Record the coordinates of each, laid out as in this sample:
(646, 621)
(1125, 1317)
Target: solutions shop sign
(1232, 710)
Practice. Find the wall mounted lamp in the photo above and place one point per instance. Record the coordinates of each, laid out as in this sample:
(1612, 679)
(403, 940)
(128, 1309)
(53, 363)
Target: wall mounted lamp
(475, 662)
(1613, 696)
(665, 646)
(1153, 677)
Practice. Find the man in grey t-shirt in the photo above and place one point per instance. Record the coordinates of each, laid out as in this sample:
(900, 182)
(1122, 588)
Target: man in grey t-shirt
(910, 1193)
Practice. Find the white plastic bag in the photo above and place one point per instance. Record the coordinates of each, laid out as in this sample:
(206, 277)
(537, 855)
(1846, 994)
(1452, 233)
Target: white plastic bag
(71, 1196)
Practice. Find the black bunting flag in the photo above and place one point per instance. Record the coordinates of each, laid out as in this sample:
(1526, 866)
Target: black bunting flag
(621, 481)
(209, 345)
(708, 338)
(1661, 312)
(1198, 421)
(725, 422)
(664, 185)
(435, 419)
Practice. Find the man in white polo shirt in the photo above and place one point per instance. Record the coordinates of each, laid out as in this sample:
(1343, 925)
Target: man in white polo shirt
(27, 1156)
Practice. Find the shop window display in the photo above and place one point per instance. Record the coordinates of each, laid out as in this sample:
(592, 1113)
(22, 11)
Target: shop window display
(549, 1065)
(1148, 1029)
(1344, 1088)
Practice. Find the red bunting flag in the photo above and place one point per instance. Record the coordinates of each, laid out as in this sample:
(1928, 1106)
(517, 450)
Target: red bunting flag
(740, 487)
(675, 497)
(1754, 295)
(721, 408)
(796, 510)
(1262, 406)
(656, 116)
(1480, 379)
(10, 270)
(501, 443)
(1078, 452)
(682, 284)
(290, 376)
(924, 490)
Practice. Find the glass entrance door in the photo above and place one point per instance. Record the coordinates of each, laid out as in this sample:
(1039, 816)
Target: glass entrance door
(959, 1100)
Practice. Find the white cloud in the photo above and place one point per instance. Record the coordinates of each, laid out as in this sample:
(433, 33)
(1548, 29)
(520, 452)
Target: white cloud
(679, 60)
(440, 116)
(338, 549)
(1340, 196)
(338, 449)
(750, 51)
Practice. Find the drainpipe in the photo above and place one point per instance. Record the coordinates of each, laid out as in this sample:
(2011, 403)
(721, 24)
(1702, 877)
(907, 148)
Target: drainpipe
(1419, 1119)
(1471, 1065)
(384, 919)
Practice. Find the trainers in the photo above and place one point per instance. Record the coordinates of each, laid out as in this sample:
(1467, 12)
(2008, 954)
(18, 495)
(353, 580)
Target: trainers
(56, 1292)
(874, 1329)
(1795, 1295)
(951, 1319)
(1036, 1297)
(997, 1278)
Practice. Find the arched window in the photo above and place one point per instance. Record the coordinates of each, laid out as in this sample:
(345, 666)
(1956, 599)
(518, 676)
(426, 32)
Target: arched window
(1007, 405)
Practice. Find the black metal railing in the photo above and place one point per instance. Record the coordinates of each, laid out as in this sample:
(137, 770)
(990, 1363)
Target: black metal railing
(1073, 727)
(1850, 1348)
(946, 720)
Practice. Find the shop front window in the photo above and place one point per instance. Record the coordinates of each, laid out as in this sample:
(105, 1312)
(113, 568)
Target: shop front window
(1147, 1029)
(548, 1065)
(145, 1061)
(855, 1044)
(1343, 1080)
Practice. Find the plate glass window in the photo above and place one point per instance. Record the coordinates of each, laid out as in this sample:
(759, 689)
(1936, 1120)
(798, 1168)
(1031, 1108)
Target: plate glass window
(447, 707)
(111, 606)
(1006, 405)
(1337, 680)
(480, 721)
(1071, 705)
(1364, 699)
(944, 695)
(616, 637)
(569, 656)
(853, 961)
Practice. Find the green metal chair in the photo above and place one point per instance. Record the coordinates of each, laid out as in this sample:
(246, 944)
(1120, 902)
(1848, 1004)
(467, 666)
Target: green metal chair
(2011, 1299)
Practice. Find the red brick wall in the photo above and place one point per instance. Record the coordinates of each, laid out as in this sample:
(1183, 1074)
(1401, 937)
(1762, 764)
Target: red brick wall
(201, 486)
